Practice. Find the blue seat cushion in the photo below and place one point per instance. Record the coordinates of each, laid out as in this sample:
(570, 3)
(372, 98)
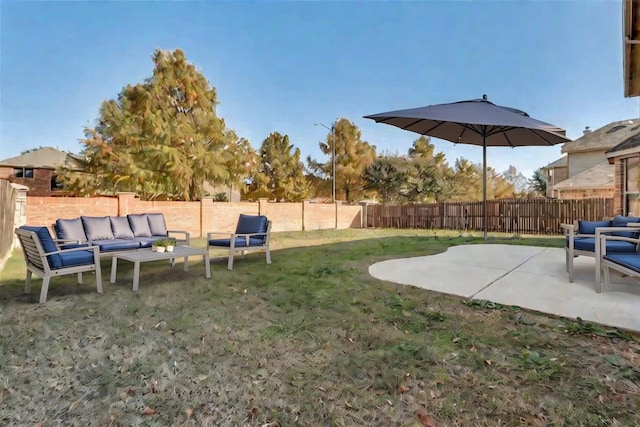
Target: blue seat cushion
(589, 227)
(622, 221)
(73, 245)
(97, 227)
(248, 224)
(157, 224)
(70, 229)
(146, 242)
(120, 227)
(139, 225)
(76, 258)
(240, 242)
(110, 245)
(588, 244)
(47, 244)
(631, 261)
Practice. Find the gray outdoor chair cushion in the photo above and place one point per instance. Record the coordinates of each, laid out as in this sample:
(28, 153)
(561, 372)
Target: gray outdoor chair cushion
(121, 228)
(139, 225)
(97, 228)
(70, 229)
(157, 225)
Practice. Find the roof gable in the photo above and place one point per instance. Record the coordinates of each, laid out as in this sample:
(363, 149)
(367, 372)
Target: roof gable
(43, 158)
(604, 138)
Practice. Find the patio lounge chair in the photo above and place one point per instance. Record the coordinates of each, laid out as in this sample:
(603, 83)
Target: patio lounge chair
(585, 240)
(252, 234)
(47, 260)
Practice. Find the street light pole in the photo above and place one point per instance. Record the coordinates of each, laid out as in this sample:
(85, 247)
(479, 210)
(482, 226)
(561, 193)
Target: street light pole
(333, 158)
(332, 129)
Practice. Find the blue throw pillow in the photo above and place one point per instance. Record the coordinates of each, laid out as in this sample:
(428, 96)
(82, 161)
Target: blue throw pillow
(589, 227)
(47, 244)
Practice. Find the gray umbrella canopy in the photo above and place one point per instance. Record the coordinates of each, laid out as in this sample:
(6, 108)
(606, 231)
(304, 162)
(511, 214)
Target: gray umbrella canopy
(476, 122)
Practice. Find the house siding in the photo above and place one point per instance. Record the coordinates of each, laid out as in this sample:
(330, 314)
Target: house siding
(579, 162)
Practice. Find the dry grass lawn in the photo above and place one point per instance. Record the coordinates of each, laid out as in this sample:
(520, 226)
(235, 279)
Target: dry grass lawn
(311, 340)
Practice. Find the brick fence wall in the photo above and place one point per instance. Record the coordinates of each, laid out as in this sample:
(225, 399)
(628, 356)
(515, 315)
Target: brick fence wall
(197, 217)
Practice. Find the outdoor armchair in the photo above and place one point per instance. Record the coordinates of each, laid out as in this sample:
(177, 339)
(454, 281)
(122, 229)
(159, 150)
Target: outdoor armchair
(627, 263)
(44, 258)
(584, 240)
(252, 234)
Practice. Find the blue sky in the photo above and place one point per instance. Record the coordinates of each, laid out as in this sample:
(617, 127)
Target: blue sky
(283, 66)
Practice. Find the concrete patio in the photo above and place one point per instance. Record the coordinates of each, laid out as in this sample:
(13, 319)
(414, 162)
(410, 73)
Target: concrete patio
(530, 277)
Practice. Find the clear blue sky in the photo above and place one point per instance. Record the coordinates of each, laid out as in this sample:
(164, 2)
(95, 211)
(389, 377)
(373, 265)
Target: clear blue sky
(283, 66)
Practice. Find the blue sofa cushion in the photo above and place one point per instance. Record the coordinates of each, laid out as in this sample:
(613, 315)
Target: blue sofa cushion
(589, 227)
(145, 242)
(47, 244)
(622, 221)
(248, 224)
(588, 244)
(97, 227)
(157, 225)
(120, 227)
(631, 261)
(70, 229)
(139, 225)
(76, 258)
(240, 242)
(110, 245)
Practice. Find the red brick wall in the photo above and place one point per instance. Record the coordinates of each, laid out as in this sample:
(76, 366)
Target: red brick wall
(197, 218)
(39, 185)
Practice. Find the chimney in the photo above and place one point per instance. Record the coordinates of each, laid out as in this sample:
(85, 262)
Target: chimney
(586, 130)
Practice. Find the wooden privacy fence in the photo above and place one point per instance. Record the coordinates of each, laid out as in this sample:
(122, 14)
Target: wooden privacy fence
(7, 210)
(521, 216)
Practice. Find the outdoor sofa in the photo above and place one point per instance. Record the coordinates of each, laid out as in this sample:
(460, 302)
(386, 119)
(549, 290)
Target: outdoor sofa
(585, 240)
(116, 233)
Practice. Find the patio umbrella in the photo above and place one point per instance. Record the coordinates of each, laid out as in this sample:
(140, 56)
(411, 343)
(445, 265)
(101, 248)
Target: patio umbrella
(476, 122)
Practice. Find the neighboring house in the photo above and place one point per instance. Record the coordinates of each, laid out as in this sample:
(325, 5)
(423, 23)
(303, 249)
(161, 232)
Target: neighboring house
(625, 159)
(37, 170)
(585, 171)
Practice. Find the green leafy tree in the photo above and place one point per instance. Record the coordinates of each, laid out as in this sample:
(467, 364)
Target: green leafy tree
(160, 138)
(429, 175)
(352, 155)
(385, 177)
(280, 174)
(538, 182)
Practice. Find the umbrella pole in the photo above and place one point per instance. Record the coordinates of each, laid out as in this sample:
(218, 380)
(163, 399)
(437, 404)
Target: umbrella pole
(484, 185)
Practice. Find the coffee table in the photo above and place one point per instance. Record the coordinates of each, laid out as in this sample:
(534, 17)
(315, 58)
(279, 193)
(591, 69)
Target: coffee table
(146, 255)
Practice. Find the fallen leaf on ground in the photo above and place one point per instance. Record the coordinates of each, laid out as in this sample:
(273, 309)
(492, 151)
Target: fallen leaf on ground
(403, 389)
(148, 411)
(425, 420)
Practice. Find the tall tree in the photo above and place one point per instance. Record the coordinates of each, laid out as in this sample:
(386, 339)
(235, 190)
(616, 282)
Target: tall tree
(160, 138)
(429, 174)
(280, 173)
(538, 182)
(352, 155)
(385, 177)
